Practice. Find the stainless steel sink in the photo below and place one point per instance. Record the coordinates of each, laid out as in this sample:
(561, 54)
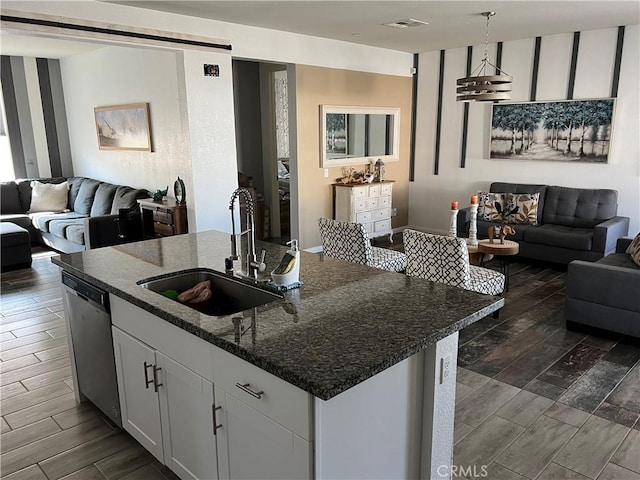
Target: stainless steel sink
(230, 295)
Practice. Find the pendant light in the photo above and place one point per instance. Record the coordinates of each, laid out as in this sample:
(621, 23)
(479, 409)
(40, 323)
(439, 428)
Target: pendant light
(480, 87)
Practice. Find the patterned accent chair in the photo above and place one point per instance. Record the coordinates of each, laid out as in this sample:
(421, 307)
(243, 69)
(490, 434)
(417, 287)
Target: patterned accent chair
(446, 260)
(350, 242)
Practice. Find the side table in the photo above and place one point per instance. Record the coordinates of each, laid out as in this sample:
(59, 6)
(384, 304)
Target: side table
(501, 250)
(163, 219)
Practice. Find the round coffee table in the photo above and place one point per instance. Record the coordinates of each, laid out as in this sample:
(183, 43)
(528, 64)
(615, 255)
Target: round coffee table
(501, 250)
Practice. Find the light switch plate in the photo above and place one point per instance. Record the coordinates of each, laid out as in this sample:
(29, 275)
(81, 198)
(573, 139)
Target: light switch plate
(445, 369)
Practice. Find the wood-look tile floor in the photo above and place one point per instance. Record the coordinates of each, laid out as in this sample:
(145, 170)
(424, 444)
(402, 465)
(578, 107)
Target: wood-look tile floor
(534, 401)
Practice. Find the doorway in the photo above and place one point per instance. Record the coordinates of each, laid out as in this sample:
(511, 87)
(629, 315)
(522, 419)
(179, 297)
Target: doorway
(261, 102)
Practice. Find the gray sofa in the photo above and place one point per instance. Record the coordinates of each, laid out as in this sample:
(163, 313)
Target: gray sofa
(573, 223)
(89, 221)
(605, 294)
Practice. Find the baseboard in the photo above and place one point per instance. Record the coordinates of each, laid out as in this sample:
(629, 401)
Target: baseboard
(317, 249)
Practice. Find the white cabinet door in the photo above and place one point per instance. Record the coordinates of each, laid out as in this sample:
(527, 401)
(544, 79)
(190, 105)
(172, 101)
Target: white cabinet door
(257, 447)
(138, 399)
(186, 401)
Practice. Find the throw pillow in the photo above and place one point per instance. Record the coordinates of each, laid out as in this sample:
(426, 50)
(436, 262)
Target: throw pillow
(522, 208)
(48, 197)
(634, 250)
(491, 206)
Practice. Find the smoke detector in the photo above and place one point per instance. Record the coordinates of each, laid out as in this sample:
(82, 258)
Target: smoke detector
(408, 23)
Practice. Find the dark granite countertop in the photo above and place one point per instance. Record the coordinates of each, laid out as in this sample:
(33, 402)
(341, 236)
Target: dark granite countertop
(346, 323)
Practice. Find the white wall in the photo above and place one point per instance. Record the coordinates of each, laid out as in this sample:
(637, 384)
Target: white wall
(430, 195)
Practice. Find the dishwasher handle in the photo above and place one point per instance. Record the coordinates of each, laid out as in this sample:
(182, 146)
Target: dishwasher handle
(95, 296)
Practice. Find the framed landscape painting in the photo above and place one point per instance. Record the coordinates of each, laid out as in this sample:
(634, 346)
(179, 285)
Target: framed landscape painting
(123, 127)
(566, 131)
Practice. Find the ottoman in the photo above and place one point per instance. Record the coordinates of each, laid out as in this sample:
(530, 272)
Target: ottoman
(16, 246)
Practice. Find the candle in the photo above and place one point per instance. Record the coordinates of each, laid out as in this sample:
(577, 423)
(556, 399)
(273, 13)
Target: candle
(454, 205)
(474, 199)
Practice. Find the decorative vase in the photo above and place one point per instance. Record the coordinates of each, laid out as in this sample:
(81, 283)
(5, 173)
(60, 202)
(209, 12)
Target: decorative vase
(453, 231)
(473, 227)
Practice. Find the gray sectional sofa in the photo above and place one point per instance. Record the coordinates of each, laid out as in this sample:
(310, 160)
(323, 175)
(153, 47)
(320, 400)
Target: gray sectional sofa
(605, 294)
(572, 223)
(89, 220)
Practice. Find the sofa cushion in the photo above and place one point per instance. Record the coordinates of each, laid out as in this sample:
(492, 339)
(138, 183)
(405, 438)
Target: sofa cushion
(103, 199)
(622, 260)
(48, 197)
(59, 228)
(24, 189)
(634, 250)
(75, 233)
(42, 220)
(523, 188)
(86, 193)
(21, 219)
(483, 228)
(579, 207)
(74, 187)
(491, 206)
(522, 208)
(126, 197)
(10, 198)
(560, 236)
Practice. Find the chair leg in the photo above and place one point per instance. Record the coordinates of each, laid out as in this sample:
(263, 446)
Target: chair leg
(496, 314)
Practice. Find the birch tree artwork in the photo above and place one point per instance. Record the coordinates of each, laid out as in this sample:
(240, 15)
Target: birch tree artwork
(568, 131)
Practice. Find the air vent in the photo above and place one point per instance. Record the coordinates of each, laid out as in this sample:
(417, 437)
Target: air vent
(410, 22)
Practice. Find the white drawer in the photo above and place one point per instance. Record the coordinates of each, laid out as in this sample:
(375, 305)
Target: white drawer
(280, 401)
(382, 214)
(382, 225)
(364, 217)
(384, 202)
(374, 190)
(361, 205)
(360, 192)
(369, 227)
(385, 189)
(372, 203)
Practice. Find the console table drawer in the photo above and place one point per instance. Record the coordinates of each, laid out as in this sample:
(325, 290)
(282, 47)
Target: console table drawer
(163, 216)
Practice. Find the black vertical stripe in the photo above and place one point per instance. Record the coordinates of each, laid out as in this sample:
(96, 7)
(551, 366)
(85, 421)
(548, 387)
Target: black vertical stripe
(49, 117)
(616, 66)
(367, 128)
(574, 63)
(534, 70)
(436, 162)
(498, 58)
(465, 115)
(414, 114)
(13, 122)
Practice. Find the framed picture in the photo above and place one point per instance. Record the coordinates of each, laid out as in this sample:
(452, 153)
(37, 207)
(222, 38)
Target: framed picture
(123, 127)
(564, 131)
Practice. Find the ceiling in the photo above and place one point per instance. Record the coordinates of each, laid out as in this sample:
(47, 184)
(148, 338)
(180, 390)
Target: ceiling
(451, 24)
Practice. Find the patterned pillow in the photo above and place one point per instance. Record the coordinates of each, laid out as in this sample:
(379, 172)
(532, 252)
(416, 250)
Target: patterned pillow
(634, 250)
(522, 208)
(491, 206)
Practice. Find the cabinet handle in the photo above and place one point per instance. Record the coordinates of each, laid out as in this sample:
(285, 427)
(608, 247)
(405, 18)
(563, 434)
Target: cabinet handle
(155, 378)
(245, 388)
(216, 425)
(147, 382)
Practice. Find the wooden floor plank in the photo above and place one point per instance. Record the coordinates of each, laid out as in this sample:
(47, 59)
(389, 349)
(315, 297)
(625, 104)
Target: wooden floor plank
(7, 336)
(85, 455)
(47, 378)
(51, 353)
(30, 398)
(28, 434)
(31, 371)
(21, 342)
(4, 426)
(32, 347)
(52, 445)
(41, 410)
(30, 473)
(88, 473)
(54, 322)
(14, 318)
(10, 390)
(58, 332)
(19, 362)
(76, 415)
(125, 462)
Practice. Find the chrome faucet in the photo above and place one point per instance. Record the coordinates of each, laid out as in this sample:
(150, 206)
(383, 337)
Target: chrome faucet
(253, 266)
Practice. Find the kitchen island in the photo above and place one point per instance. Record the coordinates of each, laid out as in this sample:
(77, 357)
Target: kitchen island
(351, 375)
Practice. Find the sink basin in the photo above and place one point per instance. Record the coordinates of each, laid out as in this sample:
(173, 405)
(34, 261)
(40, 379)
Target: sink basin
(230, 295)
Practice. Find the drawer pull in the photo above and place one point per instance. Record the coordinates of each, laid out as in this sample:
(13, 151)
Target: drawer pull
(155, 378)
(216, 425)
(245, 388)
(147, 382)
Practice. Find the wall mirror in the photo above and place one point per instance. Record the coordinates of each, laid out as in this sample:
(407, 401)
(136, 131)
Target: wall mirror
(356, 135)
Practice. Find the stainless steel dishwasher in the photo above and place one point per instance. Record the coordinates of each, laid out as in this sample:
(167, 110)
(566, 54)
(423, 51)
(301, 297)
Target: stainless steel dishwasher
(90, 325)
